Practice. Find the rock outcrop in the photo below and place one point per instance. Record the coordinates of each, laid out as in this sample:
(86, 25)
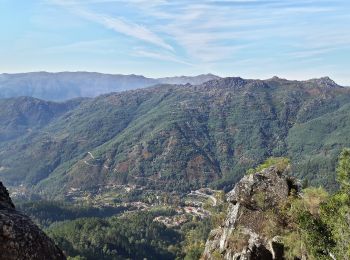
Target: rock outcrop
(20, 238)
(324, 82)
(248, 231)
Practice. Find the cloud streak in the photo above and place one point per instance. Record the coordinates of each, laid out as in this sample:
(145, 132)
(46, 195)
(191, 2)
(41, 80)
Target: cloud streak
(210, 31)
(117, 24)
(223, 35)
(160, 56)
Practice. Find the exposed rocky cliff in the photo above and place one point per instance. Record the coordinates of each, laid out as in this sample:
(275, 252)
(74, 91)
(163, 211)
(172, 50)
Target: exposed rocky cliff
(249, 231)
(20, 238)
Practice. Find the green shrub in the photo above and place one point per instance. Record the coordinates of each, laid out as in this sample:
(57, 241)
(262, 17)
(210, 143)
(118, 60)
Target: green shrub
(281, 163)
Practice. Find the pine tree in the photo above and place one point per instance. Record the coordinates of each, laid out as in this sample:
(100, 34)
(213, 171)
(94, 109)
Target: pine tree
(343, 170)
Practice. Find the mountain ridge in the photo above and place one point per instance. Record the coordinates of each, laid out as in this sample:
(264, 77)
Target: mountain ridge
(181, 137)
(61, 86)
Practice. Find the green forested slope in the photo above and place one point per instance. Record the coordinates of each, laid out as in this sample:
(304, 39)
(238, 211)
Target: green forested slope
(134, 236)
(24, 115)
(182, 137)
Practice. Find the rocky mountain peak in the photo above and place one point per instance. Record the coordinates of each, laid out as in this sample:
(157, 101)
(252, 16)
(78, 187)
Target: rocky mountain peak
(277, 78)
(324, 82)
(230, 82)
(20, 238)
(243, 234)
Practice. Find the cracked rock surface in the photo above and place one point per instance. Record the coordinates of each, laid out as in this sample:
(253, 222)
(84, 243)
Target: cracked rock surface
(241, 235)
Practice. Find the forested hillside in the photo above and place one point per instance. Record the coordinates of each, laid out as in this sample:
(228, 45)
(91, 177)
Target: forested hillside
(267, 213)
(180, 137)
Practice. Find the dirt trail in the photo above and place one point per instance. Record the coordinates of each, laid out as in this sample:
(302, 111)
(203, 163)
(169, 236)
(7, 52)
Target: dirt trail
(201, 194)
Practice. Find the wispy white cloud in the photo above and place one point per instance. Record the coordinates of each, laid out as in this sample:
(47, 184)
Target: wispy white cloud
(211, 31)
(208, 33)
(94, 46)
(128, 28)
(160, 56)
(117, 24)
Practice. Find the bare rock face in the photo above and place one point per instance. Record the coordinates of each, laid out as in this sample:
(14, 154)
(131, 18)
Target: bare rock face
(324, 82)
(20, 238)
(246, 233)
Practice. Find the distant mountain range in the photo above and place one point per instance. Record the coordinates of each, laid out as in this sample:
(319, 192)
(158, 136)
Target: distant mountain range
(67, 85)
(174, 137)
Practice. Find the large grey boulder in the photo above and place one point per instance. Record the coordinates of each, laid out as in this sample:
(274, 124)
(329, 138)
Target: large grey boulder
(20, 238)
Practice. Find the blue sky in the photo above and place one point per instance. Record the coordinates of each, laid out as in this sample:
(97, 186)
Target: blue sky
(295, 39)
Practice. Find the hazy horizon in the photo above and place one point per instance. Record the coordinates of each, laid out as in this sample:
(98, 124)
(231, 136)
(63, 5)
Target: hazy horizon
(299, 40)
(171, 76)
